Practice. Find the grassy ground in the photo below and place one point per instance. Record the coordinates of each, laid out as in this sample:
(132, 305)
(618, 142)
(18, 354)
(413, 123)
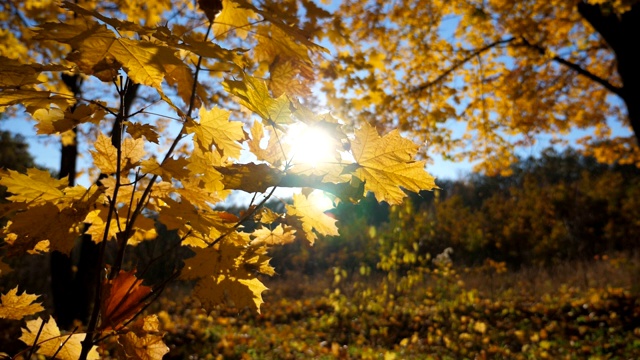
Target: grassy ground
(579, 310)
(583, 310)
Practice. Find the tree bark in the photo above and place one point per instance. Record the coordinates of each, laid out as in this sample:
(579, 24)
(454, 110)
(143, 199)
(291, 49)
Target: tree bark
(621, 31)
(71, 289)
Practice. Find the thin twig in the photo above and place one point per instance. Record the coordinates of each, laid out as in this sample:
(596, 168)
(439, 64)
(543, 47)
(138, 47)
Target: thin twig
(35, 341)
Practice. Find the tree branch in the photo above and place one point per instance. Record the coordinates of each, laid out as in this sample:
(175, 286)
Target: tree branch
(577, 68)
(455, 66)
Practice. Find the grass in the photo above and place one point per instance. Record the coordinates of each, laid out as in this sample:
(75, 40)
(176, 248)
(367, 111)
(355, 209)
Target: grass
(573, 310)
(581, 310)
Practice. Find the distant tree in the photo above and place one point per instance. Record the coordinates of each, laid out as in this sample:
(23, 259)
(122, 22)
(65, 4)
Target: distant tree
(476, 80)
(14, 152)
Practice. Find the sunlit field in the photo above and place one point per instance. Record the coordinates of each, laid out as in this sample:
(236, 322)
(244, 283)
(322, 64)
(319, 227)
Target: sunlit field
(577, 310)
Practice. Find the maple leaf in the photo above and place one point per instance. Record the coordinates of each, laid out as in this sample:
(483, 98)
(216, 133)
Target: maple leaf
(257, 260)
(250, 177)
(115, 23)
(215, 128)
(51, 342)
(143, 347)
(275, 151)
(202, 198)
(201, 167)
(283, 79)
(98, 51)
(240, 291)
(170, 168)
(267, 216)
(56, 121)
(203, 224)
(228, 59)
(222, 277)
(97, 220)
(254, 95)
(45, 222)
(33, 99)
(300, 36)
(14, 306)
(124, 296)
(36, 185)
(233, 17)
(138, 130)
(386, 163)
(105, 154)
(16, 74)
(281, 235)
(312, 217)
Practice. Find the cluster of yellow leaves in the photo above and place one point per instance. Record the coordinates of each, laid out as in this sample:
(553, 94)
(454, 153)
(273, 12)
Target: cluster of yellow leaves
(47, 215)
(478, 80)
(225, 274)
(50, 342)
(137, 189)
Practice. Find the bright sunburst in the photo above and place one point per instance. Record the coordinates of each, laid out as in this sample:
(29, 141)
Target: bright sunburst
(310, 145)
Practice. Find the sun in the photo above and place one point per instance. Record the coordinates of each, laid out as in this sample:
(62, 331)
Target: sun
(310, 145)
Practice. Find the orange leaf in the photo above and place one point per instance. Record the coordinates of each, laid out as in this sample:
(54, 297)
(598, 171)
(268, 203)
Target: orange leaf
(124, 297)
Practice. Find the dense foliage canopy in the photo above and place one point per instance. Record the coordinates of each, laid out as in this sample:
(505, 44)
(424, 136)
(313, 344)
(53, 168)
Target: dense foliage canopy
(476, 80)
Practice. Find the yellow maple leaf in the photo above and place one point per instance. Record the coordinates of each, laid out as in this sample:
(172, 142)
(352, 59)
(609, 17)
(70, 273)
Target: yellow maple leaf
(202, 198)
(144, 341)
(222, 278)
(36, 185)
(46, 222)
(51, 342)
(56, 121)
(97, 219)
(279, 236)
(138, 130)
(34, 99)
(386, 163)
(143, 347)
(14, 306)
(98, 51)
(312, 217)
(257, 260)
(179, 75)
(170, 169)
(267, 216)
(15, 74)
(233, 18)
(215, 128)
(253, 94)
(275, 151)
(201, 166)
(105, 154)
(283, 79)
(203, 224)
(250, 177)
(274, 42)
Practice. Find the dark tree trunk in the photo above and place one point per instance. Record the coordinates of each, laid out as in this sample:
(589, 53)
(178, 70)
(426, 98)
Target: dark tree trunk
(621, 33)
(71, 288)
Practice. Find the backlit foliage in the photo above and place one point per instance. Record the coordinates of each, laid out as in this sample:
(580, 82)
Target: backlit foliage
(174, 152)
(476, 80)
